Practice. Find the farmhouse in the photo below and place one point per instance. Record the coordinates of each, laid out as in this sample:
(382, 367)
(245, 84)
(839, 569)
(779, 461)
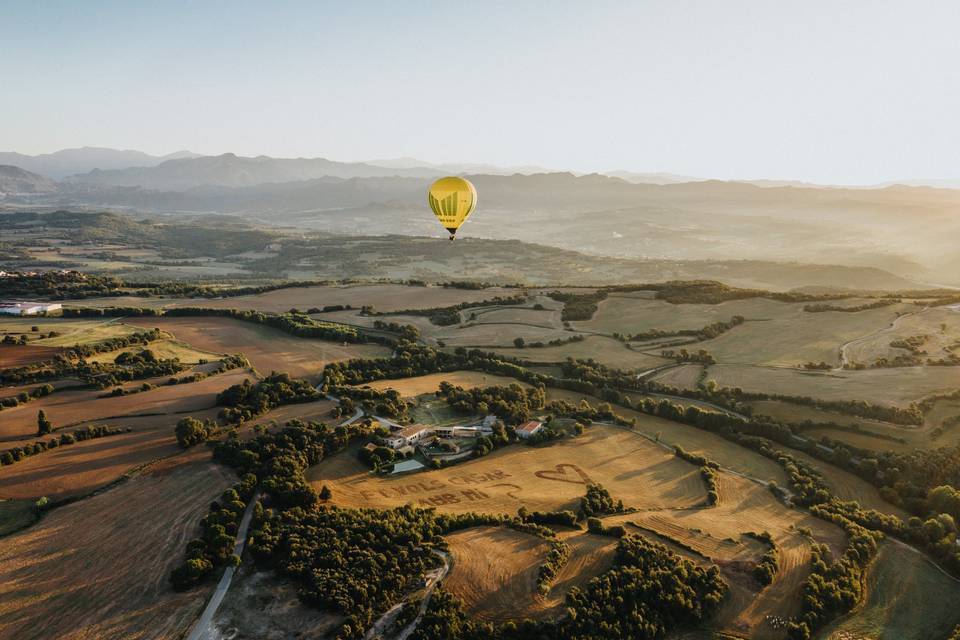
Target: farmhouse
(528, 429)
(28, 308)
(409, 435)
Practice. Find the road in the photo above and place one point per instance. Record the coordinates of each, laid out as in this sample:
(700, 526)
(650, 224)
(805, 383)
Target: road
(844, 361)
(203, 629)
(433, 579)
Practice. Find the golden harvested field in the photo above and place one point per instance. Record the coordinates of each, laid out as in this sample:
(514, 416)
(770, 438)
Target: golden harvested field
(418, 385)
(907, 598)
(590, 556)
(267, 349)
(80, 468)
(72, 407)
(98, 568)
(899, 386)
(746, 506)
(102, 330)
(497, 591)
(626, 313)
(608, 351)
(542, 478)
(669, 433)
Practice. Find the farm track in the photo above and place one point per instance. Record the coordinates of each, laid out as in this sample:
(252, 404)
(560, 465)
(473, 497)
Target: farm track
(202, 629)
(893, 326)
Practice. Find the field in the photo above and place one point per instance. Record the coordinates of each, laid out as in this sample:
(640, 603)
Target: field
(507, 589)
(898, 387)
(66, 408)
(419, 385)
(163, 349)
(626, 313)
(80, 468)
(16, 514)
(848, 486)
(717, 534)
(796, 338)
(941, 326)
(906, 599)
(497, 591)
(267, 349)
(542, 478)
(22, 355)
(101, 564)
(669, 433)
(608, 351)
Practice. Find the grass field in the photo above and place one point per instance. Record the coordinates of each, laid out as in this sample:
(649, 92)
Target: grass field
(163, 349)
(492, 334)
(848, 486)
(899, 386)
(627, 313)
(318, 411)
(419, 385)
(906, 599)
(98, 568)
(942, 327)
(267, 349)
(683, 377)
(502, 590)
(796, 338)
(608, 351)
(542, 478)
(72, 407)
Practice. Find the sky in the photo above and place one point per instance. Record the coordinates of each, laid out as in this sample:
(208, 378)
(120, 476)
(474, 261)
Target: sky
(851, 92)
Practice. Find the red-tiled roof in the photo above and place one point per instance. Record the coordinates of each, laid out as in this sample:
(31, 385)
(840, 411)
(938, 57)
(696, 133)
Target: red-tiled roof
(529, 427)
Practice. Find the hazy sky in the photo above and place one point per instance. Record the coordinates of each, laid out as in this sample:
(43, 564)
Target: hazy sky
(833, 91)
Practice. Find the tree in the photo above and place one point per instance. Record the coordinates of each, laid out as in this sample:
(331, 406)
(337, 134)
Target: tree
(44, 426)
(325, 493)
(191, 431)
(518, 343)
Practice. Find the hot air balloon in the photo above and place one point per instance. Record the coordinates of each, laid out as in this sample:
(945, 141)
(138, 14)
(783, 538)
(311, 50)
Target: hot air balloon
(452, 200)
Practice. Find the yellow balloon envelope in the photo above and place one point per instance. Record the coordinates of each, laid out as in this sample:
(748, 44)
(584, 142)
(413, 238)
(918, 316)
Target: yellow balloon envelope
(452, 200)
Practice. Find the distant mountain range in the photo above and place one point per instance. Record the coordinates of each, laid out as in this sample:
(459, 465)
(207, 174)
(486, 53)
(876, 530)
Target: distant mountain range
(910, 231)
(16, 181)
(67, 162)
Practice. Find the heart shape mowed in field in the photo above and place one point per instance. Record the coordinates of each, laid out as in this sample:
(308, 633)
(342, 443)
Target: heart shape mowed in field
(560, 474)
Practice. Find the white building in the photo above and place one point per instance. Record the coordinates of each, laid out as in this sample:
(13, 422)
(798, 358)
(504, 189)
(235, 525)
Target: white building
(409, 435)
(28, 308)
(528, 429)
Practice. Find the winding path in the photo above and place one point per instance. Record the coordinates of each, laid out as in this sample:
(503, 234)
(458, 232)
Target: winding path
(433, 579)
(203, 629)
(844, 361)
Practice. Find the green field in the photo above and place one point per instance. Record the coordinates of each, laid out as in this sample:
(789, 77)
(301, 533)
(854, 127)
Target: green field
(907, 599)
(899, 386)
